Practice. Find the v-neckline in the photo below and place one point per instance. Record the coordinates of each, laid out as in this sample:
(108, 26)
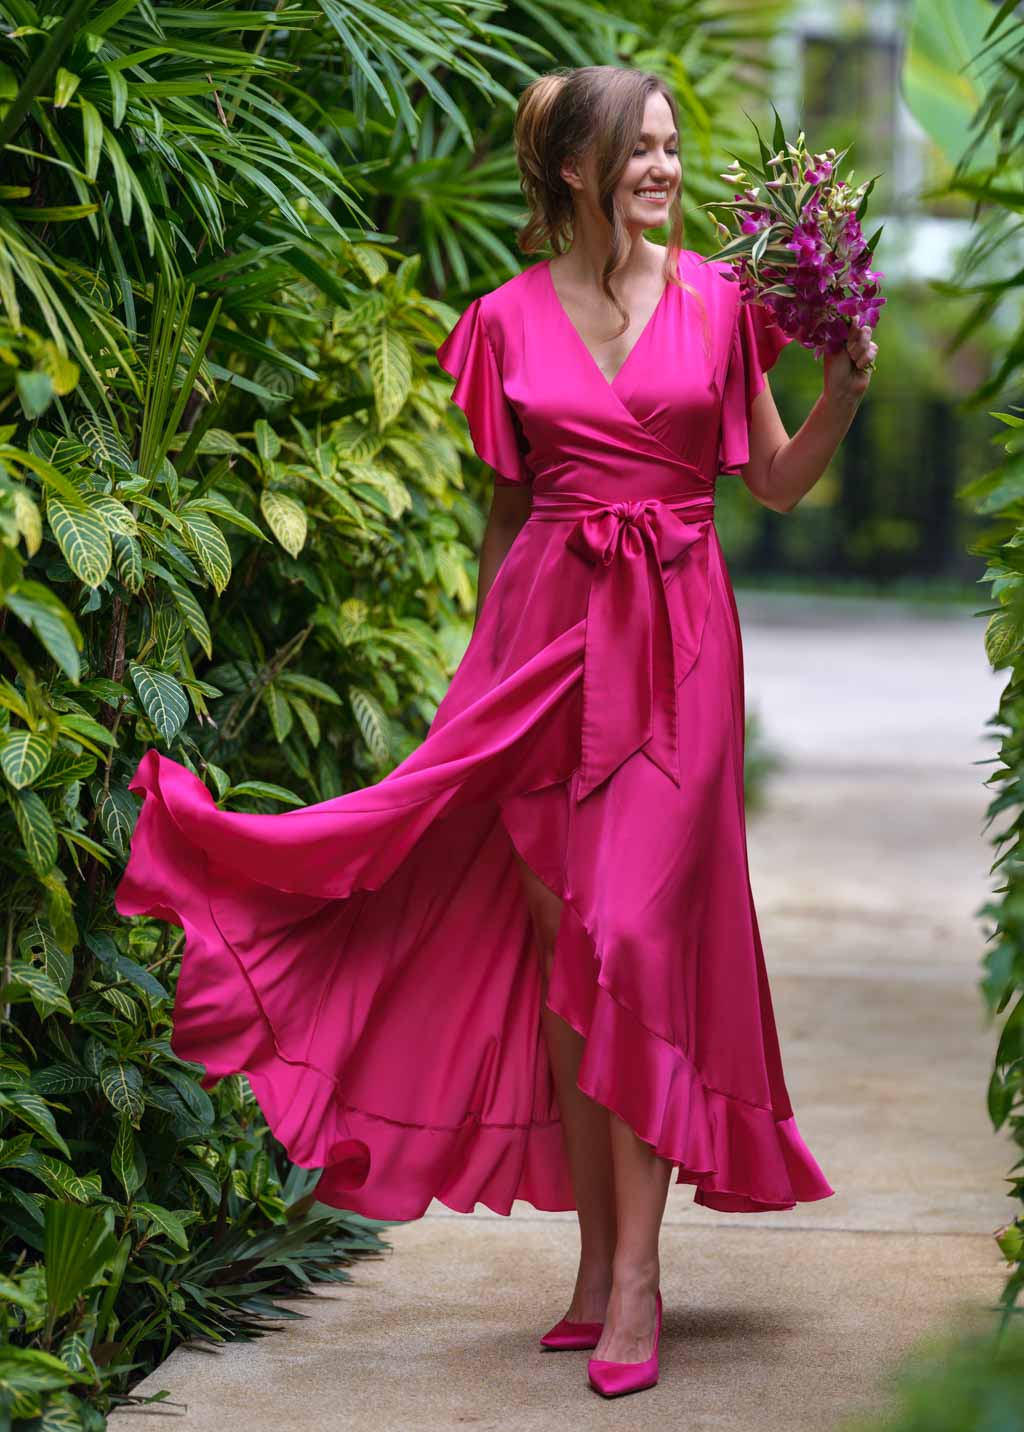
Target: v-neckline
(608, 382)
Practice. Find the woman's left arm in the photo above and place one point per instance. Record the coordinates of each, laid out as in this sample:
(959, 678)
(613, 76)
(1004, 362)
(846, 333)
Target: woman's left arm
(781, 468)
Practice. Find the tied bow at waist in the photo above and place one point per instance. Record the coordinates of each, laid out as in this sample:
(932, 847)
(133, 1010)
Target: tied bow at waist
(634, 657)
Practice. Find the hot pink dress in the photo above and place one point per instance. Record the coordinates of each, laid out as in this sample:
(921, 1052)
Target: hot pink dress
(369, 962)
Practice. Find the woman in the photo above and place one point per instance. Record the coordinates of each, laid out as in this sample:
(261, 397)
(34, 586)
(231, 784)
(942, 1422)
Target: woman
(526, 964)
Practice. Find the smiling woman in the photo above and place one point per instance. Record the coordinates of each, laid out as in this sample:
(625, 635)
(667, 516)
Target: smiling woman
(371, 962)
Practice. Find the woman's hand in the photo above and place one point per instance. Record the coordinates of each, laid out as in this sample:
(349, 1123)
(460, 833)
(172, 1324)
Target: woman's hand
(848, 372)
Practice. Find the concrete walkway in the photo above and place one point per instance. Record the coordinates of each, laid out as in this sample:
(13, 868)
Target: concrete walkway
(868, 866)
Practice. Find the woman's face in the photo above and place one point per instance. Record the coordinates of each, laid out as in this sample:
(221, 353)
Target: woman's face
(651, 178)
(653, 173)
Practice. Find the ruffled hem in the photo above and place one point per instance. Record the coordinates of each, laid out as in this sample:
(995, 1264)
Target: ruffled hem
(741, 1157)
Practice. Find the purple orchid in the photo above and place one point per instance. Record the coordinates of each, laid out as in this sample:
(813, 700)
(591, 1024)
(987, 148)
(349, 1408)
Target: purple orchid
(814, 274)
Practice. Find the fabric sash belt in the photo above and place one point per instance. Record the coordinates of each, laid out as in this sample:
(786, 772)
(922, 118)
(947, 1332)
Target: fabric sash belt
(634, 656)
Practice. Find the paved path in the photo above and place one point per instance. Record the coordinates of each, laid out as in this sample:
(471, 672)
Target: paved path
(868, 865)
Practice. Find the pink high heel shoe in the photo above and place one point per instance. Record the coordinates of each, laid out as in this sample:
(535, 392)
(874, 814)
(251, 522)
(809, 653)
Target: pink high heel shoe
(613, 1378)
(568, 1336)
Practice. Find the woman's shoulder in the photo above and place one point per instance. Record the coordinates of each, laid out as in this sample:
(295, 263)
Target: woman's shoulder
(717, 271)
(511, 293)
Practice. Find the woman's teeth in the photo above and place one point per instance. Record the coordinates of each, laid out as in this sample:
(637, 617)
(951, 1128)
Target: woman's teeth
(657, 195)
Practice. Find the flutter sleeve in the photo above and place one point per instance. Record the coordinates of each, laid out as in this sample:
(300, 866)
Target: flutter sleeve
(757, 341)
(468, 355)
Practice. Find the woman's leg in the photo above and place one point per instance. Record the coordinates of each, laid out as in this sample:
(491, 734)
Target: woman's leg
(642, 1181)
(584, 1122)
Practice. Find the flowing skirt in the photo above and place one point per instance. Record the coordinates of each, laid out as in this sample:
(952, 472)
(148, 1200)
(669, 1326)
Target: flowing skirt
(369, 964)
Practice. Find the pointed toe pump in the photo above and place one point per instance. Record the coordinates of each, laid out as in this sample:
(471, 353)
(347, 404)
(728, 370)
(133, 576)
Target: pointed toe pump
(613, 1378)
(568, 1336)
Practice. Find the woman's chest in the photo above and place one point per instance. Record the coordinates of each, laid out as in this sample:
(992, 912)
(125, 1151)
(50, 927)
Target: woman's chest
(665, 391)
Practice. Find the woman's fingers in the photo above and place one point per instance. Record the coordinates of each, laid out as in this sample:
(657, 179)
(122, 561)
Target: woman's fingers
(859, 345)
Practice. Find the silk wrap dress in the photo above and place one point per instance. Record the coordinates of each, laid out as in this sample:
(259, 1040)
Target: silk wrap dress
(369, 962)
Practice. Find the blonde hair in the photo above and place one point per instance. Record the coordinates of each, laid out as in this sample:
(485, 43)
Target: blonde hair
(560, 115)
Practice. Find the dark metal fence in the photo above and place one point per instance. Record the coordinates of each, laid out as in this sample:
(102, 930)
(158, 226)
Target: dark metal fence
(886, 509)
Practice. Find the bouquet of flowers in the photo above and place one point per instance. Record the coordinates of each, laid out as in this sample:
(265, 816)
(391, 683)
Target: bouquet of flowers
(799, 249)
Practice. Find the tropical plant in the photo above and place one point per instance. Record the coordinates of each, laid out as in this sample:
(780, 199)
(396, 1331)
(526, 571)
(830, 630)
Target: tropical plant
(982, 140)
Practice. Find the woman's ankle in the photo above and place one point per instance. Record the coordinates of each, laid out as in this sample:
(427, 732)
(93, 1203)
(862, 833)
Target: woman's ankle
(636, 1273)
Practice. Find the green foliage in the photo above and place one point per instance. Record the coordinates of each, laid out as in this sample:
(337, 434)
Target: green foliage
(998, 496)
(958, 1381)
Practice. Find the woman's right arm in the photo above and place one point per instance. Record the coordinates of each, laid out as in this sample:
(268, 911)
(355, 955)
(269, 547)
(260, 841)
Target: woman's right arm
(510, 507)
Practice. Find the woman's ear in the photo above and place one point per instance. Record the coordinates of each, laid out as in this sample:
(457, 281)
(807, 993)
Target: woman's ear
(570, 172)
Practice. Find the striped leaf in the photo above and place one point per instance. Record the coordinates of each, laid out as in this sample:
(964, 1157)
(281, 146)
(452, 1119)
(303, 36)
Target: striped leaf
(30, 1109)
(168, 1223)
(51, 622)
(127, 561)
(219, 506)
(61, 1078)
(66, 766)
(58, 1177)
(120, 966)
(24, 757)
(286, 518)
(204, 1178)
(454, 579)
(372, 722)
(117, 517)
(95, 1054)
(353, 621)
(73, 1352)
(370, 259)
(46, 994)
(83, 537)
(268, 444)
(163, 700)
(208, 543)
(1002, 639)
(37, 831)
(169, 629)
(376, 477)
(122, 1084)
(12, 1149)
(192, 1093)
(390, 372)
(38, 939)
(192, 614)
(122, 1002)
(28, 521)
(127, 1161)
(118, 812)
